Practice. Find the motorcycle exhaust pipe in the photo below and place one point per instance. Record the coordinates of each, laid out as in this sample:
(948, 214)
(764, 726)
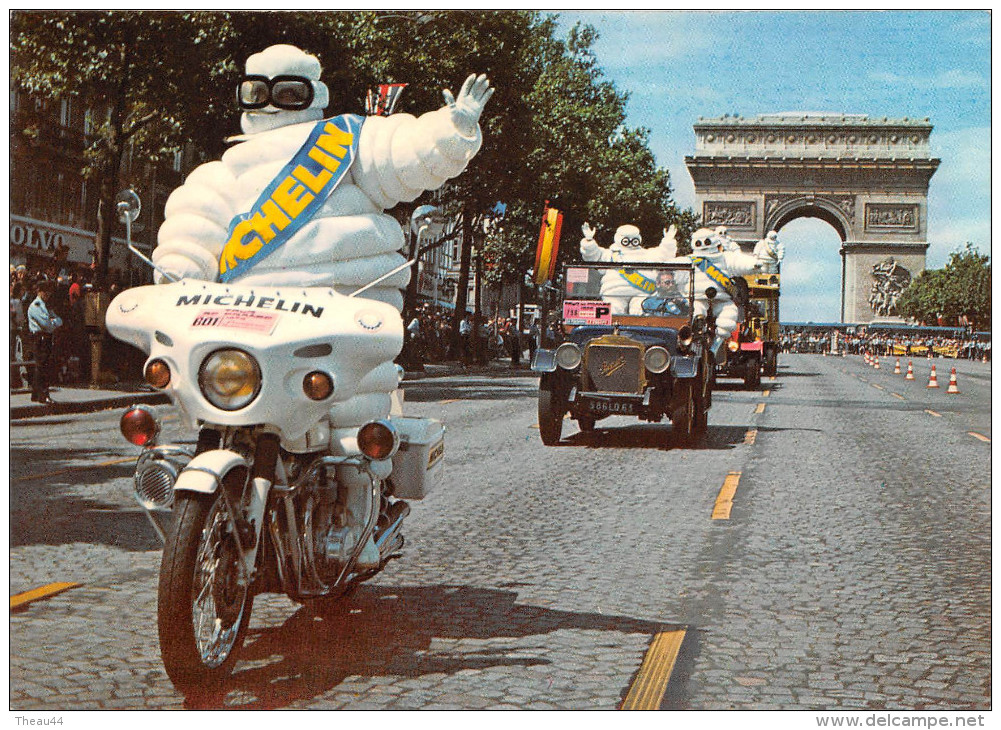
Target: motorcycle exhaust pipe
(388, 542)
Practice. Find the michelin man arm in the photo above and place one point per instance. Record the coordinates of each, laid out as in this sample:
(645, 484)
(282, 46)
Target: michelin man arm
(401, 156)
(589, 248)
(196, 218)
(738, 263)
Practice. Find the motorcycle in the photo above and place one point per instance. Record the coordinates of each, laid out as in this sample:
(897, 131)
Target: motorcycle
(273, 498)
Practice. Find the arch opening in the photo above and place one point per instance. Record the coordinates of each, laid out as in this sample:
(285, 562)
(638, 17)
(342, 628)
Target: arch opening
(812, 272)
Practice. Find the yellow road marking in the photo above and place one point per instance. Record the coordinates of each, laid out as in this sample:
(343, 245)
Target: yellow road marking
(897, 395)
(750, 436)
(937, 415)
(760, 408)
(534, 425)
(766, 394)
(980, 436)
(52, 589)
(451, 400)
(69, 469)
(647, 690)
(877, 385)
(724, 501)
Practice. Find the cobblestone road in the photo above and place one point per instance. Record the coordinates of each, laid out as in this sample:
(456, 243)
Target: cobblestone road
(853, 571)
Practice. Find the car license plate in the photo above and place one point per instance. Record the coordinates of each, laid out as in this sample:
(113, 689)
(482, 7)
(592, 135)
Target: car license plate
(620, 407)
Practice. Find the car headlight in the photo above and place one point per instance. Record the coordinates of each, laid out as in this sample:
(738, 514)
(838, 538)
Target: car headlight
(568, 356)
(656, 359)
(229, 379)
(685, 337)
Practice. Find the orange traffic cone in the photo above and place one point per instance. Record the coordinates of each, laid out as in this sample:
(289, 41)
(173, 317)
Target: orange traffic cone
(910, 371)
(896, 368)
(953, 385)
(932, 381)
(877, 364)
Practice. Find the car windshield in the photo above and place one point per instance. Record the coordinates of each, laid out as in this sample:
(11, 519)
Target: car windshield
(595, 293)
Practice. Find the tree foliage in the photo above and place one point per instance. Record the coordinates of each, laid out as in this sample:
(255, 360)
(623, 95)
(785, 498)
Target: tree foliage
(959, 293)
(555, 130)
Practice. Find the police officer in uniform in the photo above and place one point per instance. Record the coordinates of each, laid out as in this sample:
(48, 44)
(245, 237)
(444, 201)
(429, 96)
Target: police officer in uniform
(42, 323)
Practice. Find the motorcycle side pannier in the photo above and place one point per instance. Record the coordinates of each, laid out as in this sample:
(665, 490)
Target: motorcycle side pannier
(419, 463)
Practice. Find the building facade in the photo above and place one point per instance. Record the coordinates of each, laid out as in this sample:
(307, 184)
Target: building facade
(53, 205)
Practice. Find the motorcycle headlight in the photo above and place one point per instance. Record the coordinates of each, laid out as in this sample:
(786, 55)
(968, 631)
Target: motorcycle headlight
(656, 359)
(734, 346)
(229, 379)
(568, 356)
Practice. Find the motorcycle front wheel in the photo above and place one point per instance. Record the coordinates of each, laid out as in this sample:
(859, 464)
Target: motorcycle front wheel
(203, 601)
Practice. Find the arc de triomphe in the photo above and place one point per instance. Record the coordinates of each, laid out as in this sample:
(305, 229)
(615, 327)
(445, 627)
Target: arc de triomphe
(868, 178)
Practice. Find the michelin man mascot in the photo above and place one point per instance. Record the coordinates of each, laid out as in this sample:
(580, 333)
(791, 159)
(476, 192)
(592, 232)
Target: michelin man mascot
(714, 266)
(771, 251)
(728, 243)
(626, 289)
(300, 201)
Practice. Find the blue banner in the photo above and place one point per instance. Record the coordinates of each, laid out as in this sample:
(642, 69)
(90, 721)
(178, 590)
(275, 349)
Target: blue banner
(715, 274)
(638, 280)
(292, 199)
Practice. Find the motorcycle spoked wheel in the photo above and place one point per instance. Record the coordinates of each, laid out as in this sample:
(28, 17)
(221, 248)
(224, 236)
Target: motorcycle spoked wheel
(203, 601)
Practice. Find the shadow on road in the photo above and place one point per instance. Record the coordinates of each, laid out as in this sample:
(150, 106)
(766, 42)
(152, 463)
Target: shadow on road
(653, 436)
(47, 510)
(476, 387)
(385, 631)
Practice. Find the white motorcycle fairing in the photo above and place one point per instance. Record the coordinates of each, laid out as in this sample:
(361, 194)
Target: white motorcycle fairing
(289, 331)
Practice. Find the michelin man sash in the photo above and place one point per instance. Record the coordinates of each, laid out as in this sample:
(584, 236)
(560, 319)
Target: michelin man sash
(715, 274)
(292, 199)
(636, 279)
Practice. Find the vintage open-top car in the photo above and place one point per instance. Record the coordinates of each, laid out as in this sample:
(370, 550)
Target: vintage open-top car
(630, 346)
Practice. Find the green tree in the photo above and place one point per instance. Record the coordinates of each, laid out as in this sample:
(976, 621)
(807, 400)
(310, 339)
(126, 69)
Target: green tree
(116, 62)
(959, 293)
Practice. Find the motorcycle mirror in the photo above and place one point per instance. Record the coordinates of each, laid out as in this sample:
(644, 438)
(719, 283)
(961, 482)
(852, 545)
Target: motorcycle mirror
(429, 217)
(128, 205)
(711, 292)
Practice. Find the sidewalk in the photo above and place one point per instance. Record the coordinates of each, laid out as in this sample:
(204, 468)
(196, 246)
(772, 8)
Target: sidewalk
(81, 399)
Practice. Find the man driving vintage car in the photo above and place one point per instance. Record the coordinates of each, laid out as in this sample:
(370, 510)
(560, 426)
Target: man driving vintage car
(668, 298)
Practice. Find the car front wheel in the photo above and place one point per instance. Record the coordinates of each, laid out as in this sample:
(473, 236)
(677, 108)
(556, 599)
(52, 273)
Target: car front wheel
(552, 406)
(683, 417)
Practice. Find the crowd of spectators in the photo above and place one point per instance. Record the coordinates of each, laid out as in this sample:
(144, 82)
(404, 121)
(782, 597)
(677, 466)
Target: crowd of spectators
(822, 340)
(481, 339)
(71, 351)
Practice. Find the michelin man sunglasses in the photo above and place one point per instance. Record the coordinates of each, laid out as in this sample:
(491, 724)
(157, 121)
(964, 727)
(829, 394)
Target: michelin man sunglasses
(292, 93)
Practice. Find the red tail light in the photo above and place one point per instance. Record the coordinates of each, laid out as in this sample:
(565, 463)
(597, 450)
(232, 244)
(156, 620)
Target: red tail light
(139, 426)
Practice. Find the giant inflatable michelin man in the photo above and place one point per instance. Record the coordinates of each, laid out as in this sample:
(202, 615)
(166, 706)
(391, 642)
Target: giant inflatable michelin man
(300, 201)
(624, 288)
(714, 267)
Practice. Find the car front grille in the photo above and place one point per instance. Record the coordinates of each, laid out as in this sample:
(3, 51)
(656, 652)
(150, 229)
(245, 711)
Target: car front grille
(615, 368)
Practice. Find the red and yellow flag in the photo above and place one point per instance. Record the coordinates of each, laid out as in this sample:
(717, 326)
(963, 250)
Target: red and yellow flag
(549, 245)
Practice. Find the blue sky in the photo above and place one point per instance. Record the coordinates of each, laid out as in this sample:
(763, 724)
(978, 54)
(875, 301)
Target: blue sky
(678, 66)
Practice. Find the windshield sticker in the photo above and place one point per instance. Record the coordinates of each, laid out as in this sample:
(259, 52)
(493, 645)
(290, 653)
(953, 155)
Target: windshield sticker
(577, 276)
(238, 319)
(580, 311)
